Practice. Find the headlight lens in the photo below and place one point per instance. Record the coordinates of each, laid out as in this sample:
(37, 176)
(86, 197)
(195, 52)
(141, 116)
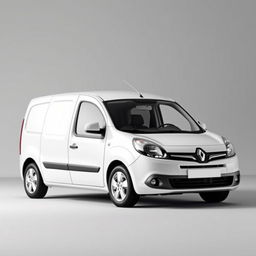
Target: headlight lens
(149, 148)
(229, 146)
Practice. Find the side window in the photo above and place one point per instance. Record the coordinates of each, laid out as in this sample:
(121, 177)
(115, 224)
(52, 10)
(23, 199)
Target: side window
(171, 116)
(88, 113)
(58, 118)
(36, 117)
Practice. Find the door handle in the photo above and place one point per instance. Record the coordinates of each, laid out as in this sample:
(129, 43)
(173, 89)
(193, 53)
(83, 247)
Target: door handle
(73, 146)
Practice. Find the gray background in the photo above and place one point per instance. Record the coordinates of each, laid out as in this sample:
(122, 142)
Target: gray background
(201, 53)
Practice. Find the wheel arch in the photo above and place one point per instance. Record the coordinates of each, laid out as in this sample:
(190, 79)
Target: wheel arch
(26, 163)
(111, 166)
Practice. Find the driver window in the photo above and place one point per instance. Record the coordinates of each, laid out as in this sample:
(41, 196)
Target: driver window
(88, 113)
(174, 118)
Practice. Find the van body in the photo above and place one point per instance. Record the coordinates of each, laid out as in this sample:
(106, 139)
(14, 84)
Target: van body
(125, 144)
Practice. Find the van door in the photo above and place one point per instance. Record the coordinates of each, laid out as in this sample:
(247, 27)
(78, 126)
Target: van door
(86, 149)
(54, 142)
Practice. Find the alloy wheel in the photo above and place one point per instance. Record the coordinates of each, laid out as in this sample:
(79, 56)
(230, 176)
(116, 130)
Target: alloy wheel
(31, 180)
(119, 186)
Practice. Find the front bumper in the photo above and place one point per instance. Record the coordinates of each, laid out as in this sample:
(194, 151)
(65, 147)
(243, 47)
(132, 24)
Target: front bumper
(183, 182)
(171, 176)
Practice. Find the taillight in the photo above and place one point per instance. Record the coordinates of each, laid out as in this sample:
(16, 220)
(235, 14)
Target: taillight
(21, 131)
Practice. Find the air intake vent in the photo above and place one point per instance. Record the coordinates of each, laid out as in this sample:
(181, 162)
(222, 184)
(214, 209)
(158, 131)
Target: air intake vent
(185, 183)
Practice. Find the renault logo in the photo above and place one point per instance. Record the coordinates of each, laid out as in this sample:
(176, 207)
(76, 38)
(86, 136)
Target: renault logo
(201, 155)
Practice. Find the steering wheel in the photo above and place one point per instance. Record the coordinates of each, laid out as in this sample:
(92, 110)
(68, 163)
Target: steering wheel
(170, 125)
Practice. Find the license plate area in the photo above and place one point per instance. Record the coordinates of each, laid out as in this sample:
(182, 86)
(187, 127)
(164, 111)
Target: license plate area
(204, 173)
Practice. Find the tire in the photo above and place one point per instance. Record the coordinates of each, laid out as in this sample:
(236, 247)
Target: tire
(33, 182)
(214, 197)
(120, 188)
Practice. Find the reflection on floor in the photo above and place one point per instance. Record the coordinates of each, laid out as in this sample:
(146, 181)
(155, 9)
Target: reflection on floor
(83, 222)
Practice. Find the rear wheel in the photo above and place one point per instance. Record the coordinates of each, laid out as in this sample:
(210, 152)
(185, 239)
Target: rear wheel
(33, 182)
(121, 188)
(214, 197)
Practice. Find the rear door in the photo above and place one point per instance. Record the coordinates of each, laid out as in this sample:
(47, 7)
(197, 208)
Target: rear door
(54, 143)
(86, 150)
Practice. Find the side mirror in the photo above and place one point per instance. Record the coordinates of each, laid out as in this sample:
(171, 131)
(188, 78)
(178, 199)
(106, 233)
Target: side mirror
(203, 125)
(94, 128)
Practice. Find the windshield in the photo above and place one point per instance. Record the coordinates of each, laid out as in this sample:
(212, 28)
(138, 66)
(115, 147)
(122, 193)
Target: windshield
(151, 116)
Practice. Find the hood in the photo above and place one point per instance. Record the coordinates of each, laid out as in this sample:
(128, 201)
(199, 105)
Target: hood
(185, 140)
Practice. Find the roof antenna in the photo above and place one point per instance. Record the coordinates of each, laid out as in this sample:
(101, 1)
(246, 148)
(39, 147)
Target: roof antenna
(133, 88)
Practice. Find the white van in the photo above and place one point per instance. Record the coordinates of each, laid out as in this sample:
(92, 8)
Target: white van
(125, 144)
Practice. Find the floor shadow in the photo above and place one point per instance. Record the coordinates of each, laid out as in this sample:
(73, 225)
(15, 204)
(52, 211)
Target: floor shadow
(93, 197)
(242, 198)
(245, 198)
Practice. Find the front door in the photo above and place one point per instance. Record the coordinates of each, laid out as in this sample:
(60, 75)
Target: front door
(86, 149)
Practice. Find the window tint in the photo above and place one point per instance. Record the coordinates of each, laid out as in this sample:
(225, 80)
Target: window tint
(130, 115)
(143, 114)
(58, 118)
(36, 117)
(88, 113)
(150, 116)
(174, 119)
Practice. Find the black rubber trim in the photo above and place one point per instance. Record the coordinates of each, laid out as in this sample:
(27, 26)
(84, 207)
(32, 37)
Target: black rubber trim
(72, 167)
(83, 168)
(57, 166)
(201, 166)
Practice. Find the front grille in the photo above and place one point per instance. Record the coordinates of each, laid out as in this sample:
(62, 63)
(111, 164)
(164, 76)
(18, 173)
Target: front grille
(184, 183)
(192, 157)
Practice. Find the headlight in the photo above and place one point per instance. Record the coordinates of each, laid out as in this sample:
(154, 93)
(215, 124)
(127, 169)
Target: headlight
(149, 148)
(230, 148)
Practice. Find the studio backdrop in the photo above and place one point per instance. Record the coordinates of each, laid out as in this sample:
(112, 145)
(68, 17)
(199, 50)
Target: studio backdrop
(200, 53)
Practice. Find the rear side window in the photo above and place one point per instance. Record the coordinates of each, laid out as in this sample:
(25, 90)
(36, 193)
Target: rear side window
(88, 114)
(58, 118)
(36, 117)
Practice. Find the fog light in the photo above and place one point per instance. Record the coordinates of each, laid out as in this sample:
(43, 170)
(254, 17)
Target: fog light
(237, 178)
(154, 182)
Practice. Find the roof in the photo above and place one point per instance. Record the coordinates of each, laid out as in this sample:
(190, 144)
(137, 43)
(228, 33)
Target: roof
(116, 95)
(112, 95)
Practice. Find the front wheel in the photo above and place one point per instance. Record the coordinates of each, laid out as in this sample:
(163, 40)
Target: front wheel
(33, 182)
(121, 188)
(214, 197)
